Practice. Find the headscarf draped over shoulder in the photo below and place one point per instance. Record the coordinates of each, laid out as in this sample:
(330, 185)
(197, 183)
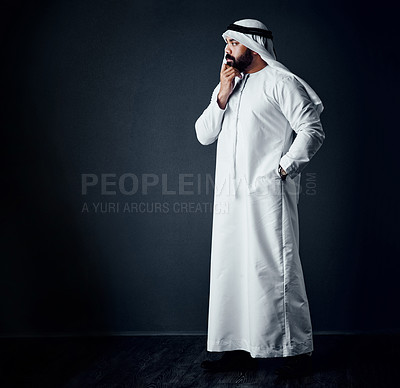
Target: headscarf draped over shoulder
(253, 34)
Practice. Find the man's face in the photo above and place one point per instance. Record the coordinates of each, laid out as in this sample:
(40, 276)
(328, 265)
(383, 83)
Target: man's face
(237, 55)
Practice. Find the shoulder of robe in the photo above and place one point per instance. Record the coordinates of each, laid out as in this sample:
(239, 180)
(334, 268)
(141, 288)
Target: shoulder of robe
(288, 81)
(271, 81)
(276, 78)
(285, 85)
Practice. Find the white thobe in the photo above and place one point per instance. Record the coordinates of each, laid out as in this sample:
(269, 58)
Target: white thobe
(258, 301)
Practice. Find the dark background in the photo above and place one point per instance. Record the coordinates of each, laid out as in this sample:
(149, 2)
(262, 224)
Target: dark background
(114, 87)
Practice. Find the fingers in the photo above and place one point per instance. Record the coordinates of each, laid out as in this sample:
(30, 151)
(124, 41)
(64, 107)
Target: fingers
(229, 72)
(229, 69)
(224, 67)
(232, 70)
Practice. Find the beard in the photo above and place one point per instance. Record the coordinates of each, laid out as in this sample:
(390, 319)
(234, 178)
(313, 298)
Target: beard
(243, 62)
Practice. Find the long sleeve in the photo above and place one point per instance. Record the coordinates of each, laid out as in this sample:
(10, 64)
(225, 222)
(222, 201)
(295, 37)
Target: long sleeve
(304, 119)
(209, 124)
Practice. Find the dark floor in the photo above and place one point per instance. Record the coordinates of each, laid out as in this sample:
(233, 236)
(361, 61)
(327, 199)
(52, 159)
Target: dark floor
(174, 361)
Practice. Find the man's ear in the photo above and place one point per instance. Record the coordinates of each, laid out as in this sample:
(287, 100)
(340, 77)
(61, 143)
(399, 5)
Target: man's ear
(254, 53)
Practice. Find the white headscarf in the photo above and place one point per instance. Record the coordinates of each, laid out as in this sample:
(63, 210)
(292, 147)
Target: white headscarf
(256, 43)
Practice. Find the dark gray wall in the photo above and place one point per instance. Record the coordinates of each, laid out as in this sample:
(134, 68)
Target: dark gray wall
(114, 87)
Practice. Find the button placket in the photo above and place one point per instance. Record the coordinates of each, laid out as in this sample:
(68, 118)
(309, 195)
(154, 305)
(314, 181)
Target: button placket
(242, 86)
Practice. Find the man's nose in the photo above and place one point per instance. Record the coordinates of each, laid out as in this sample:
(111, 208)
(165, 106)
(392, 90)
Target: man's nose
(228, 50)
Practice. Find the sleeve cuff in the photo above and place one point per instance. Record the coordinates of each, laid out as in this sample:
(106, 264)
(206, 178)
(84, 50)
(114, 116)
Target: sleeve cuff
(287, 165)
(218, 108)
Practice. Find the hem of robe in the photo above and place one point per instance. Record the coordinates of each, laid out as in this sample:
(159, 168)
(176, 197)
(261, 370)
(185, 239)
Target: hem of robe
(294, 349)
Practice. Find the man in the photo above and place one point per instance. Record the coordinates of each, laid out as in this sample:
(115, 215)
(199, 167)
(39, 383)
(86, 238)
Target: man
(266, 121)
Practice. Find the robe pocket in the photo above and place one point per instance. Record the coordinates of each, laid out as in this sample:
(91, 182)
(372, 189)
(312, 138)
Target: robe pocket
(277, 172)
(267, 185)
(292, 187)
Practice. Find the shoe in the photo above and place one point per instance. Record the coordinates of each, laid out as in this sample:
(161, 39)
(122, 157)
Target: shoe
(234, 360)
(295, 366)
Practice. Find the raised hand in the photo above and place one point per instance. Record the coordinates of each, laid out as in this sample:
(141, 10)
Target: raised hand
(227, 79)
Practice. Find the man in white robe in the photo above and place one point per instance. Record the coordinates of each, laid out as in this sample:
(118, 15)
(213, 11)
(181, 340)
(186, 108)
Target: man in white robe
(266, 122)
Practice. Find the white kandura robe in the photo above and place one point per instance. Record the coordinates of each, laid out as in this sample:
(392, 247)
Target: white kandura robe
(258, 301)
